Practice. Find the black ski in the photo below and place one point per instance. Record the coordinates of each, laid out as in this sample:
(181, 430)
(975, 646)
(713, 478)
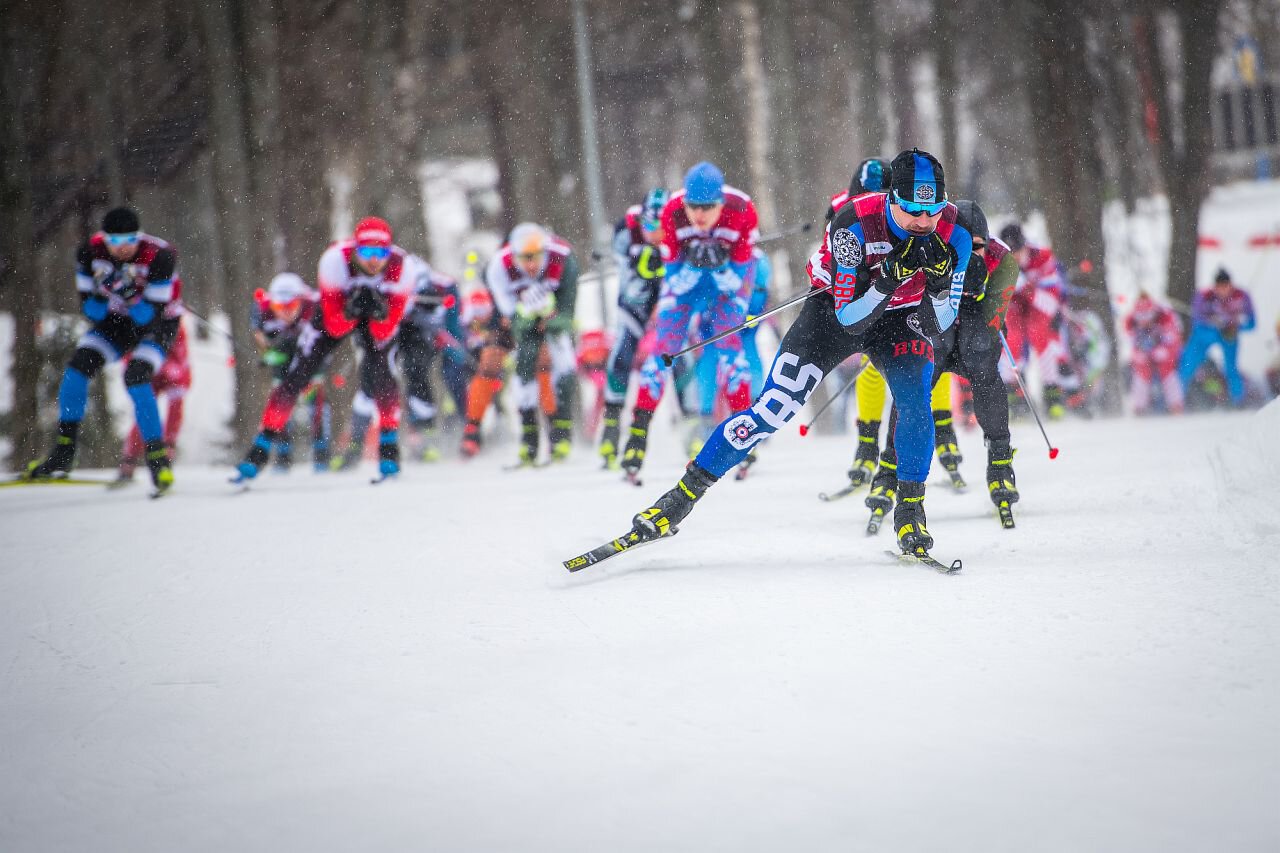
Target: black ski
(842, 493)
(55, 481)
(873, 524)
(632, 478)
(526, 466)
(921, 557)
(745, 466)
(957, 481)
(626, 542)
(1006, 515)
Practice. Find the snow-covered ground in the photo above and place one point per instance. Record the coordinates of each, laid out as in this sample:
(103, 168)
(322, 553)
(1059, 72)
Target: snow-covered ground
(324, 665)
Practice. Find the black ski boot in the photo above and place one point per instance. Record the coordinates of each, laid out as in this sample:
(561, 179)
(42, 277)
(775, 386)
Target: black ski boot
(633, 456)
(908, 519)
(944, 440)
(388, 453)
(884, 487)
(1001, 483)
(864, 461)
(159, 466)
(256, 458)
(664, 517)
(62, 456)
(560, 437)
(1055, 402)
(610, 437)
(528, 436)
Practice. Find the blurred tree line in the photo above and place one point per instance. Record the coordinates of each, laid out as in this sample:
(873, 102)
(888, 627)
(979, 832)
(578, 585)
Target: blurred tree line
(224, 122)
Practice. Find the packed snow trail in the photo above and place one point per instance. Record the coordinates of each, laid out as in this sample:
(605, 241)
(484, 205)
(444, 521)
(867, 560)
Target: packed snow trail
(321, 665)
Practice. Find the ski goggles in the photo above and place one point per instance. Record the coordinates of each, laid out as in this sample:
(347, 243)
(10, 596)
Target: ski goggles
(916, 208)
(372, 253)
(530, 256)
(710, 205)
(121, 239)
(290, 307)
(650, 225)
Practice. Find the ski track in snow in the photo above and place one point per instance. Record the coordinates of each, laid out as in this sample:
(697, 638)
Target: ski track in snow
(320, 665)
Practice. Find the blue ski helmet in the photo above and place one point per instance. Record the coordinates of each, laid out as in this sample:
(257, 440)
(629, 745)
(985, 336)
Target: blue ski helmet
(704, 184)
(872, 176)
(651, 210)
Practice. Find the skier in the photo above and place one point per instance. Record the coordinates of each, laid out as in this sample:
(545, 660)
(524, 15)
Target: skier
(278, 316)
(431, 327)
(1033, 316)
(172, 381)
(365, 285)
(638, 248)
(1156, 334)
(130, 290)
(1218, 315)
(895, 264)
(534, 283)
(488, 342)
(873, 175)
(971, 348)
(709, 230)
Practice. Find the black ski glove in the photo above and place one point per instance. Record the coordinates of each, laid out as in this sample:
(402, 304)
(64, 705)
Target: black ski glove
(939, 259)
(903, 262)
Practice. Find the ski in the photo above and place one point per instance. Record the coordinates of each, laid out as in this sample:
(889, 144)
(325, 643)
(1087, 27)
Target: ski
(382, 478)
(957, 481)
(921, 557)
(523, 466)
(1005, 512)
(632, 478)
(156, 494)
(56, 481)
(842, 493)
(626, 542)
(873, 524)
(744, 467)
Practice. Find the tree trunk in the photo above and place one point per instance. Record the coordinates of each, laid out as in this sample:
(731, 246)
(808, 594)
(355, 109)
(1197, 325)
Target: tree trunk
(19, 279)
(1187, 175)
(1065, 131)
(718, 33)
(233, 198)
(306, 202)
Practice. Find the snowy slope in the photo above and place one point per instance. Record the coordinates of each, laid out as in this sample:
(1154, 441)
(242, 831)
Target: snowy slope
(323, 665)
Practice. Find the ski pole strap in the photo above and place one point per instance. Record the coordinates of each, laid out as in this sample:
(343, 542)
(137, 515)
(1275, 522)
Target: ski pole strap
(669, 357)
(1053, 451)
(862, 365)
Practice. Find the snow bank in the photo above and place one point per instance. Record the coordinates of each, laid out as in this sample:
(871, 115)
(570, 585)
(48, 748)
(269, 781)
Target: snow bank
(1246, 468)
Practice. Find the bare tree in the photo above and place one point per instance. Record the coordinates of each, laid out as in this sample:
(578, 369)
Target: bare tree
(1184, 142)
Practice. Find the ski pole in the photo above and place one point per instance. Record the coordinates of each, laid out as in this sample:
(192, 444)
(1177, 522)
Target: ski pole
(1053, 451)
(669, 357)
(804, 428)
(235, 345)
(803, 228)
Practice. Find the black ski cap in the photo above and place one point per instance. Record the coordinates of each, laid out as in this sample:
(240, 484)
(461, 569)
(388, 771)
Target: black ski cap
(120, 220)
(971, 218)
(1222, 275)
(1013, 237)
(916, 176)
(873, 175)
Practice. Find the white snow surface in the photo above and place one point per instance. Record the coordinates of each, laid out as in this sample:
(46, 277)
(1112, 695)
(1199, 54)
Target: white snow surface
(323, 665)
